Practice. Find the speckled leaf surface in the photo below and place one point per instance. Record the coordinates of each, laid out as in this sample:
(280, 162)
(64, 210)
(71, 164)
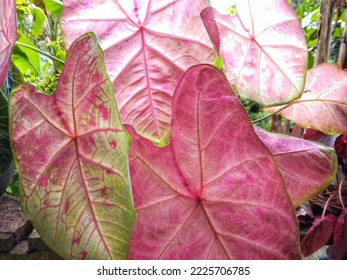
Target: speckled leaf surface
(307, 167)
(215, 191)
(323, 105)
(263, 49)
(72, 154)
(8, 35)
(148, 45)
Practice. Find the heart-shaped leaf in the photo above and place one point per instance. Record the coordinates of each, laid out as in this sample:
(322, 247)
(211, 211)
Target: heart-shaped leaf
(307, 167)
(215, 191)
(263, 49)
(148, 45)
(323, 105)
(71, 151)
(8, 35)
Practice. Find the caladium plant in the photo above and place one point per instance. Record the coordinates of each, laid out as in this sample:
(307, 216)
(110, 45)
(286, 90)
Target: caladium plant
(323, 104)
(219, 189)
(307, 167)
(216, 185)
(148, 45)
(71, 152)
(8, 34)
(263, 49)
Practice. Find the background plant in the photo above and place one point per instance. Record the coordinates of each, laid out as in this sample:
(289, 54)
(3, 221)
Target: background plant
(8, 34)
(39, 51)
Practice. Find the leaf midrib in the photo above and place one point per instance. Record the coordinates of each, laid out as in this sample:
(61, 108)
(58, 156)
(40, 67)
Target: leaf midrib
(78, 156)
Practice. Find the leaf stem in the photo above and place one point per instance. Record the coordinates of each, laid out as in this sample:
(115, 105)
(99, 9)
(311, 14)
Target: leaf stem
(273, 113)
(340, 193)
(326, 205)
(40, 51)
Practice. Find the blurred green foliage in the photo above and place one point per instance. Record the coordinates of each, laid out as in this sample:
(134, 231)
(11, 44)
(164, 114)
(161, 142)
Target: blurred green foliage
(38, 28)
(308, 13)
(39, 34)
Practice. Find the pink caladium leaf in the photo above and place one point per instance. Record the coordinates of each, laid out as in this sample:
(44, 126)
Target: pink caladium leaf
(263, 49)
(318, 235)
(215, 191)
(307, 167)
(8, 35)
(323, 105)
(72, 154)
(148, 45)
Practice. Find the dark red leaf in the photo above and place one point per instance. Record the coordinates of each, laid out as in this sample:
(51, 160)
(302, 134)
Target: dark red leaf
(297, 131)
(341, 148)
(338, 251)
(314, 135)
(318, 235)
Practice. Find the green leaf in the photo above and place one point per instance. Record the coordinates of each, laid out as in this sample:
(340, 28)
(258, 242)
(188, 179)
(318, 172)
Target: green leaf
(22, 62)
(39, 19)
(54, 6)
(310, 60)
(26, 59)
(219, 63)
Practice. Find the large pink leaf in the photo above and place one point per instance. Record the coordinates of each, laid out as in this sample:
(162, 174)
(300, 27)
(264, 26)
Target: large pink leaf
(263, 49)
(8, 35)
(72, 153)
(307, 167)
(148, 46)
(215, 191)
(323, 105)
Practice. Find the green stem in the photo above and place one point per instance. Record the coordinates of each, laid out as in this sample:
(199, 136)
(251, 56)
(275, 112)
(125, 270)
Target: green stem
(40, 51)
(273, 113)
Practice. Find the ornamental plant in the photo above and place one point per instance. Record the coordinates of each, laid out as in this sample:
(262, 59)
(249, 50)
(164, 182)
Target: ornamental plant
(179, 172)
